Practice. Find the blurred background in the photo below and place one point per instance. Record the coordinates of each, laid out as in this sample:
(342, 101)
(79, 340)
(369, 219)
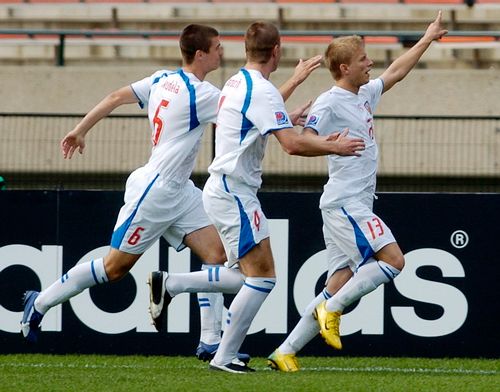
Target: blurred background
(438, 130)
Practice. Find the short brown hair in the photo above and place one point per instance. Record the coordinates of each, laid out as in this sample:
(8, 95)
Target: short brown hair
(196, 37)
(260, 40)
(340, 51)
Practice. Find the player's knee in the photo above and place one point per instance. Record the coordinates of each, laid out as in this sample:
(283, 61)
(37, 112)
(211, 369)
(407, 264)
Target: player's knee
(115, 270)
(218, 255)
(266, 270)
(114, 273)
(398, 262)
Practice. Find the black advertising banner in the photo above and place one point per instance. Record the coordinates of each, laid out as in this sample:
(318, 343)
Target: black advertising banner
(442, 305)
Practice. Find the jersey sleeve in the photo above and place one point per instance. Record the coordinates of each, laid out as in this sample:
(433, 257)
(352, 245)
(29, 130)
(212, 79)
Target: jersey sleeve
(266, 109)
(142, 88)
(320, 118)
(374, 88)
(208, 103)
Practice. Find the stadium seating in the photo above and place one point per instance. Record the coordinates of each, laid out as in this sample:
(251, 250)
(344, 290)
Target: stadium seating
(232, 15)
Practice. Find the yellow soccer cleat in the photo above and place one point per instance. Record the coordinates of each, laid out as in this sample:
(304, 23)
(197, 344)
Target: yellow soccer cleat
(329, 323)
(283, 362)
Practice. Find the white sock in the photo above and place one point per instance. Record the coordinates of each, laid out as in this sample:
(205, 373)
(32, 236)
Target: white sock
(211, 306)
(366, 279)
(242, 311)
(77, 279)
(306, 329)
(214, 279)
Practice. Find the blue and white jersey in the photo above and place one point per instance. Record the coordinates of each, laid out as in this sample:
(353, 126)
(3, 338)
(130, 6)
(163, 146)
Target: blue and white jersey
(250, 107)
(350, 178)
(179, 108)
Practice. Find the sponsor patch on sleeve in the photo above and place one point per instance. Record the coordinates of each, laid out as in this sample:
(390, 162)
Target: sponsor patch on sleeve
(281, 118)
(312, 120)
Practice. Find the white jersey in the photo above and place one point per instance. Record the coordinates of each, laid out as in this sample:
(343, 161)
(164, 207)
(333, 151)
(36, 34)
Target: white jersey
(179, 108)
(350, 178)
(250, 107)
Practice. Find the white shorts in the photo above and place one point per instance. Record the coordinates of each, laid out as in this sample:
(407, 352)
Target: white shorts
(236, 213)
(154, 208)
(353, 234)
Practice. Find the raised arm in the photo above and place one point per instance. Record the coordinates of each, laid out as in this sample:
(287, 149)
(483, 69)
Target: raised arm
(301, 72)
(75, 139)
(404, 63)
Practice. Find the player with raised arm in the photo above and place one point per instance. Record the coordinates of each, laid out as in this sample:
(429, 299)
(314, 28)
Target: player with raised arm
(362, 252)
(251, 109)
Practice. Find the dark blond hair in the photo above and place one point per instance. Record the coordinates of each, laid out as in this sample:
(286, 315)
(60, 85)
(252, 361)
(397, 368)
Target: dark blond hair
(196, 37)
(340, 51)
(260, 40)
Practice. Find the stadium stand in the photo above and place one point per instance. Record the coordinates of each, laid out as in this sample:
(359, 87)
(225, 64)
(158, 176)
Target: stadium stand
(235, 16)
(31, 34)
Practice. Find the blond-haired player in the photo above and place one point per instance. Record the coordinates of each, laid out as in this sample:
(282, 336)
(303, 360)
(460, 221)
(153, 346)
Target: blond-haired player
(362, 252)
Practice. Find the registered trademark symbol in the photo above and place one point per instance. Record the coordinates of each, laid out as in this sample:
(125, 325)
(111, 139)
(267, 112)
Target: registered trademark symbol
(459, 239)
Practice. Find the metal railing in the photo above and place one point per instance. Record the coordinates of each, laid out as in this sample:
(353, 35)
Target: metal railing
(407, 38)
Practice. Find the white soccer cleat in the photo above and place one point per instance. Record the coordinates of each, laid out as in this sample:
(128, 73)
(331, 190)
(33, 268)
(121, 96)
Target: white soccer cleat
(235, 366)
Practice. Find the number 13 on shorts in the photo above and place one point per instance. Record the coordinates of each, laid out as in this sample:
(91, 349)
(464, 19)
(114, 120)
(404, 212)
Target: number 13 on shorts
(376, 227)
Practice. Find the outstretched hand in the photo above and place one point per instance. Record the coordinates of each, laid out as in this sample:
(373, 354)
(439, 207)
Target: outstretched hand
(346, 145)
(305, 67)
(435, 30)
(70, 143)
(298, 116)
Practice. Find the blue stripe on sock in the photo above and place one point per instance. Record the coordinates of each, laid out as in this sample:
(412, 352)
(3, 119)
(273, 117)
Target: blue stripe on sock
(92, 268)
(326, 294)
(217, 274)
(263, 289)
(387, 272)
(210, 277)
(203, 302)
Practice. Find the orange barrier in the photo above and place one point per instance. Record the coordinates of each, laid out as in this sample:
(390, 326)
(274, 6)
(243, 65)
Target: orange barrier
(457, 39)
(51, 1)
(380, 40)
(304, 1)
(369, 1)
(434, 1)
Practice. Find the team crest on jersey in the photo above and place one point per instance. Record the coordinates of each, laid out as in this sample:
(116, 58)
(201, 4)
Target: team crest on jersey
(367, 107)
(313, 120)
(281, 118)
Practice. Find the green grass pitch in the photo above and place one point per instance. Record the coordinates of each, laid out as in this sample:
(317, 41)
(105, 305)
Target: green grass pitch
(88, 373)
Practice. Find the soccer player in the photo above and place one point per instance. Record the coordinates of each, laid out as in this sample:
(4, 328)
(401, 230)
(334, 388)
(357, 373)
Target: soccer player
(160, 199)
(362, 252)
(250, 109)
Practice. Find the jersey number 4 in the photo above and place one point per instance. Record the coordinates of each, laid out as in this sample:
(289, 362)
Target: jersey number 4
(158, 122)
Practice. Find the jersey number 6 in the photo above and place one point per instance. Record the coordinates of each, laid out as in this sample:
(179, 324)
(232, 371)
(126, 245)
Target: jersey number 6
(158, 122)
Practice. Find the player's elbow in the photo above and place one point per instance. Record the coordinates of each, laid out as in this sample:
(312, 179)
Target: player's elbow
(291, 148)
(290, 141)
